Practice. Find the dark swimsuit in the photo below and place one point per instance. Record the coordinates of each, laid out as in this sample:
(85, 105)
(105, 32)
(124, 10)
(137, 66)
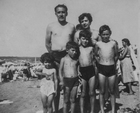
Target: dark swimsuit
(71, 82)
(106, 70)
(58, 55)
(87, 72)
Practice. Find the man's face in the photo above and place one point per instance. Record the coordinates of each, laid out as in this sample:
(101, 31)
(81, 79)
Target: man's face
(61, 14)
(85, 23)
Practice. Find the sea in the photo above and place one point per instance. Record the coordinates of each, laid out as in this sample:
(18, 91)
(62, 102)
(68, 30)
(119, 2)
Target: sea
(16, 59)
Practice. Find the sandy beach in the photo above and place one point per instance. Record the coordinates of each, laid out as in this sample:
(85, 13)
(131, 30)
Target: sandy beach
(24, 97)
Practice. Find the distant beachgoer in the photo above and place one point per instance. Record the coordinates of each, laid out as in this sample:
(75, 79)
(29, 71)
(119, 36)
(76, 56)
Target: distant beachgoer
(126, 65)
(26, 72)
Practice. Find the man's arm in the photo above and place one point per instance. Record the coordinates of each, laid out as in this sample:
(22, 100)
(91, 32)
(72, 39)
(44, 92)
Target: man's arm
(123, 55)
(48, 39)
(61, 71)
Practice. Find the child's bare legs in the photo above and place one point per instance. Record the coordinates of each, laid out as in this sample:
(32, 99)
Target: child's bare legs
(73, 98)
(83, 95)
(47, 103)
(44, 100)
(50, 100)
(102, 80)
(112, 91)
(130, 88)
(66, 99)
(92, 93)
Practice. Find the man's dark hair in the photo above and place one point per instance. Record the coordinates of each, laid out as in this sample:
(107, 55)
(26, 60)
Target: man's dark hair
(61, 5)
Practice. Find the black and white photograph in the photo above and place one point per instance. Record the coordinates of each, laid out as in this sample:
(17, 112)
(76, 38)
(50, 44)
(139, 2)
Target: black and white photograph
(69, 56)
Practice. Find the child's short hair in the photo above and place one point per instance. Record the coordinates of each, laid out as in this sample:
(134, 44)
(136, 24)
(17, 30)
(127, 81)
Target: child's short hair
(85, 33)
(104, 28)
(46, 57)
(61, 5)
(126, 41)
(72, 44)
(78, 27)
(83, 15)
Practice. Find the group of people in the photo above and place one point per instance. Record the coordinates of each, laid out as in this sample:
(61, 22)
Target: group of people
(75, 54)
(12, 72)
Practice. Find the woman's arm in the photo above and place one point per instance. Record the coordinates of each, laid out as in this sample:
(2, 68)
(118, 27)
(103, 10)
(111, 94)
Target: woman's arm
(123, 54)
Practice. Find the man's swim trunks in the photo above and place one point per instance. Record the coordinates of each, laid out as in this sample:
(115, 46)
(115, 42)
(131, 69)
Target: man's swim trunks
(71, 82)
(106, 70)
(58, 55)
(87, 72)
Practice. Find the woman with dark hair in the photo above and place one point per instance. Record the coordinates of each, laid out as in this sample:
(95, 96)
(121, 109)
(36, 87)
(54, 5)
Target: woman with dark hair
(126, 65)
(85, 20)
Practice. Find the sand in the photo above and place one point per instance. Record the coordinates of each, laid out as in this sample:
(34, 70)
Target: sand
(25, 98)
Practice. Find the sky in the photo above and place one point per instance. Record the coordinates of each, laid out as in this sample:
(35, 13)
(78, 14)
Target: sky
(23, 23)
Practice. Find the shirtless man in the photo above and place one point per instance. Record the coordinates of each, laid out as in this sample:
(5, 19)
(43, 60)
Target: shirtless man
(57, 35)
(106, 52)
(85, 20)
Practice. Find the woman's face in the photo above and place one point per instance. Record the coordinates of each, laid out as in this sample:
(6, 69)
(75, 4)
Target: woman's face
(123, 43)
(85, 23)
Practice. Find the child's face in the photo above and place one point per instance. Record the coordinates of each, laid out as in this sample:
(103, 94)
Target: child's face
(105, 36)
(85, 23)
(47, 64)
(84, 41)
(72, 52)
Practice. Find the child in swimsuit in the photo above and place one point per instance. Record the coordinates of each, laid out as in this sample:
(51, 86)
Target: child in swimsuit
(68, 72)
(48, 85)
(87, 69)
(106, 52)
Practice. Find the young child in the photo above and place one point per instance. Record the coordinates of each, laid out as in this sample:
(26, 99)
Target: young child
(87, 69)
(68, 72)
(48, 85)
(106, 55)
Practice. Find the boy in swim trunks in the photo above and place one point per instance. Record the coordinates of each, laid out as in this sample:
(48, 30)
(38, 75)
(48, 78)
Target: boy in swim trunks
(48, 85)
(68, 73)
(87, 69)
(106, 55)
